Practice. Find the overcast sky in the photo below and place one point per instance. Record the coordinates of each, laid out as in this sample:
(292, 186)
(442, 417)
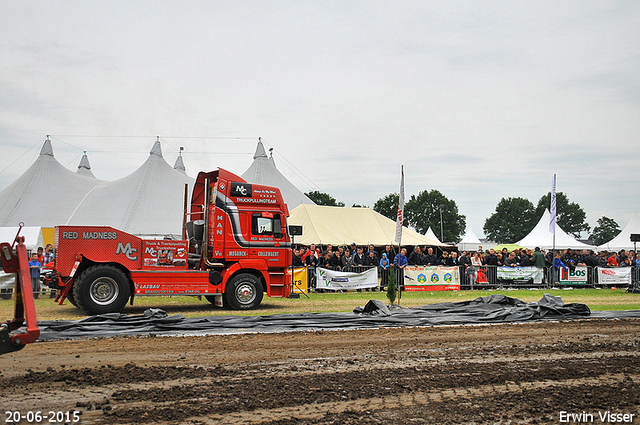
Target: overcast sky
(480, 100)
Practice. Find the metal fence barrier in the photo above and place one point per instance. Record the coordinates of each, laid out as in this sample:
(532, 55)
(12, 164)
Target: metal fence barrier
(490, 277)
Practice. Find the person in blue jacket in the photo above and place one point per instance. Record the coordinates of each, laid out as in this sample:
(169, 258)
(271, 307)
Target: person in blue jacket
(399, 263)
(557, 265)
(34, 267)
(384, 267)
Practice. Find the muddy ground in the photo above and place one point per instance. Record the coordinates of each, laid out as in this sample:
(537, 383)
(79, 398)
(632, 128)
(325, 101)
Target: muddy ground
(501, 374)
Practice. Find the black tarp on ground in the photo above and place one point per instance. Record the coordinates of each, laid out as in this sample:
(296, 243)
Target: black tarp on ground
(483, 310)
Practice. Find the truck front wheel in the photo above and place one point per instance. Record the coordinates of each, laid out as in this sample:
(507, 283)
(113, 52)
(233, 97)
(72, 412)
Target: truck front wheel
(101, 289)
(244, 292)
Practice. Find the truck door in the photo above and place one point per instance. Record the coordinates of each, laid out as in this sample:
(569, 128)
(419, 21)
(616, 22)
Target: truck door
(267, 237)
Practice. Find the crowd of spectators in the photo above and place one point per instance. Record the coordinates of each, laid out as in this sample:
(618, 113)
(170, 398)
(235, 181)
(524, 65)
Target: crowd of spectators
(347, 258)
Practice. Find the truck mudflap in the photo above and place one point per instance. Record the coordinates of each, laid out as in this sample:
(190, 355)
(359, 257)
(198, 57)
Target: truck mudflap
(24, 306)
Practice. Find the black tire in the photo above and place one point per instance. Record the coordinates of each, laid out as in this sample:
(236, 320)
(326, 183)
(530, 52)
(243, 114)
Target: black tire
(72, 298)
(102, 288)
(244, 292)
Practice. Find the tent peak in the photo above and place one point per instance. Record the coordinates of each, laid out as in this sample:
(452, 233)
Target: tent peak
(47, 149)
(260, 152)
(156, 149)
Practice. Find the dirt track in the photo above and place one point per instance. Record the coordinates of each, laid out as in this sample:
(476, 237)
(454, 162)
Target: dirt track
(526, 373)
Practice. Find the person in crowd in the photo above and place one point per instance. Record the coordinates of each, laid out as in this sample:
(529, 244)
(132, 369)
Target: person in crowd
(389, 252)
(452, 261)
(415, 258)
(472, 271)
(312, 248)
(375, 255)
(384, 271)
(511, 260)
(335, 261)
(347, 260)
(41, 255)
(358, 259)
(444, 258)
(371, 260)
(624, 261)
(399, 263)
(297, 261)
(557, 265)
(612, 261)
(34, 268)
(354, 248)
(48, 255)
(490, 259)
(525, 258)
(430, 259)
(323, 261)
(311, 260)
(537, 259)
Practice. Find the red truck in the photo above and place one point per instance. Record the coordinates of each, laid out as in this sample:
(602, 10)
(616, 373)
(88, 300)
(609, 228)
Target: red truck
(235, 247)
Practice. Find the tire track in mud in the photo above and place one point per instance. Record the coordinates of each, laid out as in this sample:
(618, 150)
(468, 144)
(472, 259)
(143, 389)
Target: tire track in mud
(224, 397)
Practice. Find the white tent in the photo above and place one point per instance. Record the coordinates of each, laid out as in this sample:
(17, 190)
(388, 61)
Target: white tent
(344, 226)
(32, 236)
(45, 194)
(263, 171)
(84, 168)
(431, 235)
(469, 242)
(179, 164)
(541, 236)
(148, 202)
(623, 240)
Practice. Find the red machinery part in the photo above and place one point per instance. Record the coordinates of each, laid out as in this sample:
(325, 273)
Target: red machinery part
(24, 306)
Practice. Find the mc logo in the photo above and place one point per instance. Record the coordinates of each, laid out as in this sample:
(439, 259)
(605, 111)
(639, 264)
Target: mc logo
(127, 250)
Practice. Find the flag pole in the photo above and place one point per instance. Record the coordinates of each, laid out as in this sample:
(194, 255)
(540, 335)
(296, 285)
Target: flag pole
(552, 221)
(399, 223)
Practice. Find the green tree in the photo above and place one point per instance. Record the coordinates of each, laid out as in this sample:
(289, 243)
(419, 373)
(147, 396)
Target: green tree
(321, 198)
(569, 215)
(513, 220)
(392, 291)
(605, 230)
(388, 206)
(423, 210)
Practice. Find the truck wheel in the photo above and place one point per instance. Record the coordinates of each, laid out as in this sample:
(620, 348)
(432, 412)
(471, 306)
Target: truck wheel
(244, 292)
(101, 289)
(71, 298)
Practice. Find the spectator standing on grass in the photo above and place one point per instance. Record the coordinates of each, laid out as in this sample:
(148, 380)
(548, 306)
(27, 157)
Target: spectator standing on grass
(557, 265)
(34, 268)
(384, 275)
(399, 263)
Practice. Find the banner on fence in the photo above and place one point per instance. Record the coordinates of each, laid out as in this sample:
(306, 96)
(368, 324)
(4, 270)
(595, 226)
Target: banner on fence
(337, 280)
(616, 276)
(521, 274)
(300, 280)
(577, 276)
(431, 278)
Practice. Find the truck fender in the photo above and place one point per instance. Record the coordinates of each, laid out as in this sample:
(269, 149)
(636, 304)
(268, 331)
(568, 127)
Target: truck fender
(257, 267)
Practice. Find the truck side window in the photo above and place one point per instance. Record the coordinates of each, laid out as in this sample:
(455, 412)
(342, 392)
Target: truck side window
(277, 226)
(261, 225)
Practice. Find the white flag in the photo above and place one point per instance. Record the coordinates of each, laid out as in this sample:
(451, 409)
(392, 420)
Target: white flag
(400, 216)
(552, 221)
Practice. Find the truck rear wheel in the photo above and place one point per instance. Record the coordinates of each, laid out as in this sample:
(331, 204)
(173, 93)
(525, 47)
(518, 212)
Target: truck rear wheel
(244, 292)
(101, 289)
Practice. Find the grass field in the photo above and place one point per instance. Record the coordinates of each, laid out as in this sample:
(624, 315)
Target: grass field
(596, 299)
